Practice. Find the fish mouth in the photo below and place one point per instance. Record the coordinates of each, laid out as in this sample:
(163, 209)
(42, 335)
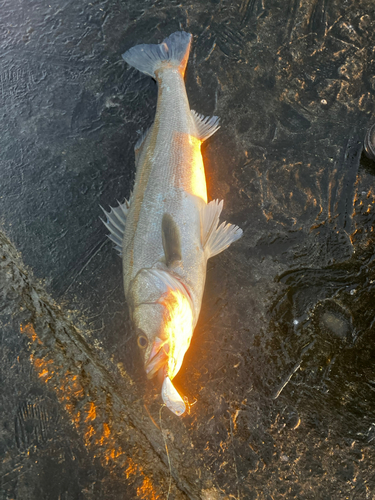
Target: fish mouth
(158, 360)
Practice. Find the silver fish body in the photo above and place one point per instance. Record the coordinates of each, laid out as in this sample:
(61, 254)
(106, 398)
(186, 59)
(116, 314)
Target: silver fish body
(167, 231)
(165, 185)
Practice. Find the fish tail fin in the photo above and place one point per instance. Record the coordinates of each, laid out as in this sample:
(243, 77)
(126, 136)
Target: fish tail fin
(173, 50)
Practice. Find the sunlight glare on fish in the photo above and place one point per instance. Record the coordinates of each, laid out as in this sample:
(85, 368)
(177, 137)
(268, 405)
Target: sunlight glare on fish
(178, 329)
(198, 187)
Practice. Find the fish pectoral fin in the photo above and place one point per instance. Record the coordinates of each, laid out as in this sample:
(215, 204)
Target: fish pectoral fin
(139, 144)
(206, 126)
(216, 239)
(171, 240)
(115, 223)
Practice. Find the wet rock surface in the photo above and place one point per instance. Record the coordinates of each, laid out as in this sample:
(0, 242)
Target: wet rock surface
(280, 370)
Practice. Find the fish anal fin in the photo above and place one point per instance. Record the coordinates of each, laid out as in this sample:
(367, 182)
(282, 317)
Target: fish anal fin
(171, 240)
(205, 125)
(115, 223)
(216, 239)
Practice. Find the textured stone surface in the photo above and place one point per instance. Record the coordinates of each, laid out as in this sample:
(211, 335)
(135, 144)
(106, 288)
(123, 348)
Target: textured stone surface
(281, 362)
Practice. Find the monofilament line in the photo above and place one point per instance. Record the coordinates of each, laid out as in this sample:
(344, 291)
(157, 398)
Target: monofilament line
(234, 454)
(166, 449)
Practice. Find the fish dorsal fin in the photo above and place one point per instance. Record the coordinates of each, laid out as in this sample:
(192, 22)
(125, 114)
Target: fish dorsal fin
(140, 142)
(115, 223)
(216, 239)
(171, 240)
(206, 126)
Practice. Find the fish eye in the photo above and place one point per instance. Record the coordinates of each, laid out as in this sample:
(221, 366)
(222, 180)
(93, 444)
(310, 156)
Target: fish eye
(142, 341)
(369, 143)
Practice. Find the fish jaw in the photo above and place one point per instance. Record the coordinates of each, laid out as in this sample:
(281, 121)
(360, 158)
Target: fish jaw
(172, 398)
(176, 359)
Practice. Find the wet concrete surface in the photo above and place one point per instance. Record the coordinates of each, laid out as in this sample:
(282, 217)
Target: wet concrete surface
(280, 371)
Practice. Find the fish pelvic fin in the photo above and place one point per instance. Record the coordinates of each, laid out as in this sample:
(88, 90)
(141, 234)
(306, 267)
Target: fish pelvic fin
(148, 58)
(115, 223)
(171, 240)
(216, 239)
(205, 125)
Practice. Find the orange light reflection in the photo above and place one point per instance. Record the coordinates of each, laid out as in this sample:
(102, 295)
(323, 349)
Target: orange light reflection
(178, 328)
(198, 178)
(100, 438)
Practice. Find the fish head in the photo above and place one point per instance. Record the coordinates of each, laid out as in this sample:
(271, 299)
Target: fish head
(148, 320)
(162, 316)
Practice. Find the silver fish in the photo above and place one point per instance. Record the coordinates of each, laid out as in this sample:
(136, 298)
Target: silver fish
(167, 231)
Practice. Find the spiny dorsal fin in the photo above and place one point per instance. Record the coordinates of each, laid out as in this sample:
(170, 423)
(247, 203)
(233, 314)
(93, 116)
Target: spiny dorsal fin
(206, 126)
(216, 239)
(116, 219)
(171, 240)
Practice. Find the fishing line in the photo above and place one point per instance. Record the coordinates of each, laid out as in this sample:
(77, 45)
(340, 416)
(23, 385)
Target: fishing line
(166, 449)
